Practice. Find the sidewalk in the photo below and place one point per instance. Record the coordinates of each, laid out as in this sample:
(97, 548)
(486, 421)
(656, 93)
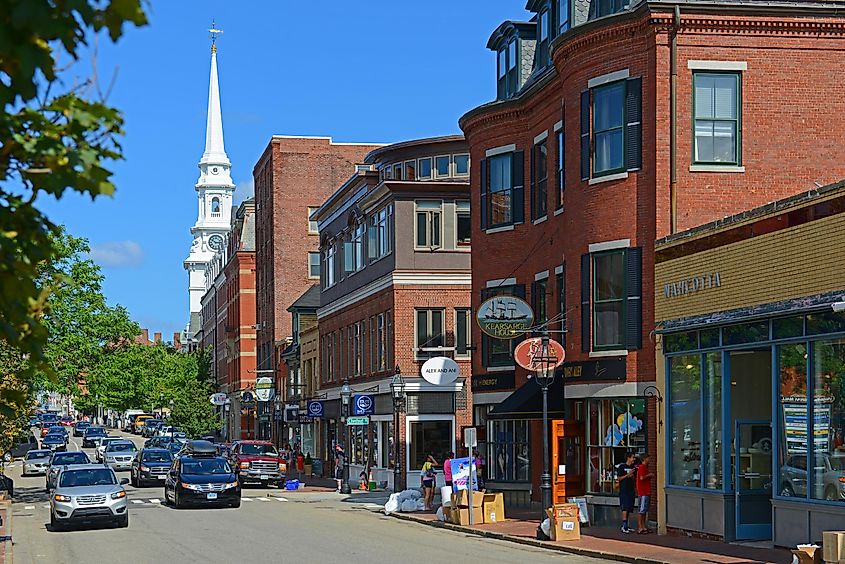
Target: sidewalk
(612, 544)
(5, 529)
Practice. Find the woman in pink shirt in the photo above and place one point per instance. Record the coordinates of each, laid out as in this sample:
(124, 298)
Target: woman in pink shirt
(447, 469)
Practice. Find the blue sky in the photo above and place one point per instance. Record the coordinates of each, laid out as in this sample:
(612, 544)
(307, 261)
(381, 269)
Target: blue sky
(366, 71)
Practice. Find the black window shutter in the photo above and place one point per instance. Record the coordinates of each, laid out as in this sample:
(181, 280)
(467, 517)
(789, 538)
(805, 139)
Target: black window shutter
(634, 127)
(560, 159)
(482, 209)
(634, 302)
(585, 135)
(533, 182)
(586, 321)
(518, 177)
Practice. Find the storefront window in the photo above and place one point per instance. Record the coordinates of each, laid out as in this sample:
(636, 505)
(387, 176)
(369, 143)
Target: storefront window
(685, 421)
(429, 437)
(358, 434)
(713, 422)
(792, 385)
(508, 448)
(615, 427)
(828, 460)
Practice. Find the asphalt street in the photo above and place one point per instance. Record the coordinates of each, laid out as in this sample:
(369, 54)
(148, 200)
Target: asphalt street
(268, 527)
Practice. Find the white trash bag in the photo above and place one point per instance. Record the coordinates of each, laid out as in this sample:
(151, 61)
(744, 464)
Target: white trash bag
(440, 515)
(546, 527)
(408, 506)
(420, 505)
(392, 505)
(409, 494)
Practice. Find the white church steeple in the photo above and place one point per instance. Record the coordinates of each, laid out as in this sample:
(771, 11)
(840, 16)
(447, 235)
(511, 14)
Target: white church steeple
(214, 198)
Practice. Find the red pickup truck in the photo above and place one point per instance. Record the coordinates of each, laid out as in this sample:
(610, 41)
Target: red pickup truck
(258, 462)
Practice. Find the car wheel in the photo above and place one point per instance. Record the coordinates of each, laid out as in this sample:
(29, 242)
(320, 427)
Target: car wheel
(236, 504)
(123, 521)
(787, 491)
(54, 523)
(133, 480)
(176, 502)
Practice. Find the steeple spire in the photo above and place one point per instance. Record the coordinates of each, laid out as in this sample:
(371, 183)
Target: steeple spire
(214, 153)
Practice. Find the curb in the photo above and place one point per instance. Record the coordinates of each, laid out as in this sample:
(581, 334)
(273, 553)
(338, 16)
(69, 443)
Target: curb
(529, 542)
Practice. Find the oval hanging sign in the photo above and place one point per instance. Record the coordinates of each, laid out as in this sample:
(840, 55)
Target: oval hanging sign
(505, 317)
(529, 354)
(440, 371)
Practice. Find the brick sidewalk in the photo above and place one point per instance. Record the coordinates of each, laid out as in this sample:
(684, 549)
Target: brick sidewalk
(612, 544)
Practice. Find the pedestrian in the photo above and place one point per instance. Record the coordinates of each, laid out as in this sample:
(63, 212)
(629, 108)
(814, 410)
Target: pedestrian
(447, 469)
(300, 464)
(626, 476)
(339, 458)
(479, 469)
(428, 475)
(644, 491)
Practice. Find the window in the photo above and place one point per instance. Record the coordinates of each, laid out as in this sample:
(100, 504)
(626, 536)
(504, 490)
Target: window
(560, 280)
(828, 417)
(502, 175)
(429, 332)
(716, 102)
(373, 346)
(429, 437)
(441, 166)
(508, 457)
(462, 332)
(428, 224)
(381, 360)
(463, 228)
(410, 170)
(608, 129)
(461, 165)
(312, 225)
(358, 349)
(608, 7)
(424, 165)
(397, 171)
(609, 300)
(538, 299)
(348, 254)
(378, 236)
(507, 71)
(313, 265)
(560, 177)
(563, 16)
(215, 207)
(539, 173)
(330, 272)
(615, 426)
(358, 247)
(543, 38)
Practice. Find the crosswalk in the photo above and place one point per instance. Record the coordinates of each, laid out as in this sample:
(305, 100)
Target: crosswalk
(157, 501)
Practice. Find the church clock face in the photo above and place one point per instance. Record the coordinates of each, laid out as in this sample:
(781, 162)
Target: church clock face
(215, 242)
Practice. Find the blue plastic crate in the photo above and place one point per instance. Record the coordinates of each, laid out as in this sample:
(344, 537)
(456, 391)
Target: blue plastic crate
(292, 485)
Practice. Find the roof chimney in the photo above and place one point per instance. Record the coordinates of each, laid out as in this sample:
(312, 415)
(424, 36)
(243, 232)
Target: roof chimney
(157, 337)
(146, 337)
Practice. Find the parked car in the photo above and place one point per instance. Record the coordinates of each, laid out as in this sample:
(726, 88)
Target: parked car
(150, 426)
(54, 442)
(119, 454)
(79, 428)
(258, 462)
(36, 462)
(60, 459)
(150, 466)
(200, 477)
(830, 487)
(88, 493)
(92, 435)
(101, 446)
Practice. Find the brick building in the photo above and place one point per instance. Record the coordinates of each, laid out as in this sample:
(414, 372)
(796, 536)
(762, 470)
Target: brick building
(292, 177)
(228, 320)
(615, 125)
(751, 353)
(395, 249)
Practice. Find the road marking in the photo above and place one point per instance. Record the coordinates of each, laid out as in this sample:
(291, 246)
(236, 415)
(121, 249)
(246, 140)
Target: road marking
(136, 501)
(246, 499)
(29, 507)
(281, 499)
(46, 506)
(263, 499)
(154, 500)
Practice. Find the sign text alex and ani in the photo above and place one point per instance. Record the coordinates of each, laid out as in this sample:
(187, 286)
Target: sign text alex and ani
(687, 286)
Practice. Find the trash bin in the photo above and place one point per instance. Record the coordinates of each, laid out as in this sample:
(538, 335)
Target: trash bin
(7, 485)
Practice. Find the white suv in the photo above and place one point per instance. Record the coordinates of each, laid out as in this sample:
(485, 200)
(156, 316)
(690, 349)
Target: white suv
(88, 493)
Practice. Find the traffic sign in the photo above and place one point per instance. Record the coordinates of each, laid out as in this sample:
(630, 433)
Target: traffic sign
(529, 354)
(358, 420)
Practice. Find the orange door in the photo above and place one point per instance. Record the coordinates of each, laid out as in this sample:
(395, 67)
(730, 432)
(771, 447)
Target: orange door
(568, 478)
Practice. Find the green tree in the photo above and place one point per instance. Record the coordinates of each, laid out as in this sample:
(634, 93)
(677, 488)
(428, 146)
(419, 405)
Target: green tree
(53, 138)
(191, 388)
(15, 399)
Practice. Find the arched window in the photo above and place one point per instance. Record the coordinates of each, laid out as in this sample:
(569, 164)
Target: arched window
(215, 207)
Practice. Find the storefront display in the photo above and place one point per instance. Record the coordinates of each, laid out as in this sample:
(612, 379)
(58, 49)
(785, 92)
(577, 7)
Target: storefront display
(614, 427)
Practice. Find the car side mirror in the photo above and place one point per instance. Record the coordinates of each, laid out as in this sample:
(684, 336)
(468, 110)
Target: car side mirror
(124, 481)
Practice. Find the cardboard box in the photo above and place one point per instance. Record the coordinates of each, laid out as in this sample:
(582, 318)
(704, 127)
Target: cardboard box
(833, 546)
(461, 499)
(447, 513)
(494, 507)
(565, 522)
(461, 516)
(808, 554)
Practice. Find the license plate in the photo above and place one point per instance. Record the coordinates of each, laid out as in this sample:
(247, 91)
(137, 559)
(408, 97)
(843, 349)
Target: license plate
(211, 496)
(265, 477)
(161, 476)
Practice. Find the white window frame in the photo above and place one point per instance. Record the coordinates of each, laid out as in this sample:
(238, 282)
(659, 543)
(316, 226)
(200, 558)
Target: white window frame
(419, 352)
(448, 166)
(329, 268)
(430, 169)
(429, 212)
(462, 207)
(468, 312)
(455, 165)
(315, 230)
(412, 474)
(310, 272)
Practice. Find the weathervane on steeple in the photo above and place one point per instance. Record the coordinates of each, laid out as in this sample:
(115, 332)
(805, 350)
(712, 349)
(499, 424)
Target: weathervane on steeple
(214, 31)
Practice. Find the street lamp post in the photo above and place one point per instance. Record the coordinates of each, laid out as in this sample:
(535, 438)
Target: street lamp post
(345, 398)
(227, 407)
(397, 392)
(278, 421)
(545, 376)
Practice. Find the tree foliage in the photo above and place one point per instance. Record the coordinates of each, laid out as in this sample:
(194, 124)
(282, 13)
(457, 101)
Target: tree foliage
(15, 398)
(53, 138)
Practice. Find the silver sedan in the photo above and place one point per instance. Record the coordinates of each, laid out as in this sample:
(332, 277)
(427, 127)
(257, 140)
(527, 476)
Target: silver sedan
(36, 462)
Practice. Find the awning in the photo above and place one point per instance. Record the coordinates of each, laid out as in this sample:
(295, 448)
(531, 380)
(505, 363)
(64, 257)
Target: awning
(527, 402)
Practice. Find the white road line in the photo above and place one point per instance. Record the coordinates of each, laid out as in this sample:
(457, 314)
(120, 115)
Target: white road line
(154, 500)
(46, 506)
(263, 499)
(29, 507)
(136, 501)
(281, 499)
(246, 499)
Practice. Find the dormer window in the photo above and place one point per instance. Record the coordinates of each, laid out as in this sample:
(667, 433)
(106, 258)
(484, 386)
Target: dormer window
(563, 16)
(543, 38)
(607, 7)
(508, 82)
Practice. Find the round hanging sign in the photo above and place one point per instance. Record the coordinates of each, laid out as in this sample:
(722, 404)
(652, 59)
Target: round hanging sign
(529, 354)
(505, 317)
(440, 371)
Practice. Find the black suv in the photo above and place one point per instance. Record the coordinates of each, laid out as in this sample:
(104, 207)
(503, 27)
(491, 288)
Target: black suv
(90, 434)
(151, 466)
(199, 476)
(79, 428)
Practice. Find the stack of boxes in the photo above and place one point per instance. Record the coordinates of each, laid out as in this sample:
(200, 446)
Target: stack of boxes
(486, 508)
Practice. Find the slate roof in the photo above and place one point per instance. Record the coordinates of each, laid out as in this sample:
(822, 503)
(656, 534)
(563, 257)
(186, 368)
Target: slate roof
(309, 300)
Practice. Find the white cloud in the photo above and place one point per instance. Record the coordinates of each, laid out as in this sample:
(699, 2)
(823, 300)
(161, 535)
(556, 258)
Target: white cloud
(117, 254)
(245, 189)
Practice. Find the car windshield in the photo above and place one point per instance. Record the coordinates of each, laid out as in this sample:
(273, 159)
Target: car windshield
(120, 447)
(82, 424)
(55, 429)
(837, 462)
(33, 454)
(70, 458)
(54, 439)
(259, 450)
(95, 431)
(89, 477)
(204, 467)
(161, 456)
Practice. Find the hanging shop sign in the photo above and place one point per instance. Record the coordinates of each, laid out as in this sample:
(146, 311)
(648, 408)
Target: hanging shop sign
(315, 408)
(264, 389)
(505, 317)
(247, 398)
(529, 354)
(218, 399)
(363, 405)
(440, 371)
